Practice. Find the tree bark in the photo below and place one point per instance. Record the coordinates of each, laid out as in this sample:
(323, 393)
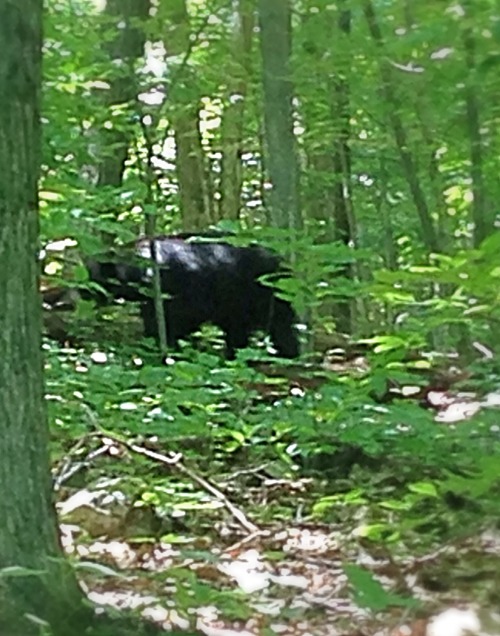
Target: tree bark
(428, 232)
(28, 528)
(190, 168)
(124, 49)
(483, 224)
(345, 231)
(234, 113)
(185, 101)
(275, 42)
(432, 140)
(330, 158)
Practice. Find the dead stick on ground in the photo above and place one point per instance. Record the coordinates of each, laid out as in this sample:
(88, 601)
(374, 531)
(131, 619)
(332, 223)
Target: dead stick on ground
(174, 462)
(206, 485)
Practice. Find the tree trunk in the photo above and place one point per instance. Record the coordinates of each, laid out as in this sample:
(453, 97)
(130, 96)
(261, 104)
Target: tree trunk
(125, 48)
(345, 231)
(275, 42)
(28, 528)
(432, 141)
(234, 112)
(185, 116)
(427, 231)
(483, 224)
(330, 160)
(190, 168)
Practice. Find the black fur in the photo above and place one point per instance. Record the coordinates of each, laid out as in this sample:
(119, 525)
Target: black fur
(205, 282)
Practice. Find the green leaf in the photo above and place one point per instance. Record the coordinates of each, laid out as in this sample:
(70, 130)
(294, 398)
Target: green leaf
(16, 571)
(369, 593)
(97, 568)
(425, 488)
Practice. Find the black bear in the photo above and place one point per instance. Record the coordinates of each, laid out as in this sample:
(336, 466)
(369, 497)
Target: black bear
(203, 282)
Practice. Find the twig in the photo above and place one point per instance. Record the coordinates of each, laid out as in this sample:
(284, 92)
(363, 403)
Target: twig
(68, 469)
(175, 462)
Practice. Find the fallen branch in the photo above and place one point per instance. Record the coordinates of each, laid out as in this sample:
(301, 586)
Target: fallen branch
(174, 461)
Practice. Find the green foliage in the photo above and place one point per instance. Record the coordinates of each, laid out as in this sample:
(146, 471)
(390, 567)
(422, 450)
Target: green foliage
(468, 296)
(369, 593)
(378, 463)
(209, 412)
(189, 591)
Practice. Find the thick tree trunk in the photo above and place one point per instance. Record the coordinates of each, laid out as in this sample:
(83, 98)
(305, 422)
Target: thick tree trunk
(28, 527)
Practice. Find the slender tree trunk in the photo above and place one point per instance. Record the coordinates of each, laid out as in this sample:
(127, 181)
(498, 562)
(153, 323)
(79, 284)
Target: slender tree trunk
(125, 49)
(234, 112)
(483, 223)
(390, 251)
(344, 222)
(331, 162)
(151, 232)
(428, 232)
(28, 528)
(432, 142)
(185, 116)
(275, 41)
(190, 168)
(345, 230)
